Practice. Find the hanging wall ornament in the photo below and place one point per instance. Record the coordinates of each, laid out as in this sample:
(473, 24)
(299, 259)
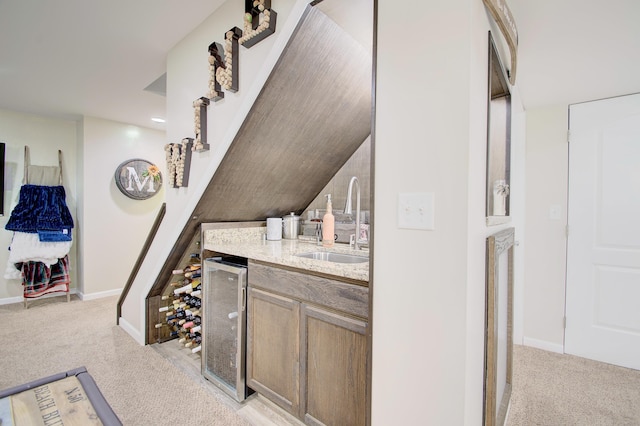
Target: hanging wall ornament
(171, 165)
(259, 22)
(216, 60)
(227, 76)
(138, 179)
(200, 124)
(179, 162)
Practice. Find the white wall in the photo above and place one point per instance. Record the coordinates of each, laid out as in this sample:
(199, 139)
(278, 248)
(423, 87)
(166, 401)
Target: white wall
(420, 277)
(430, 137)
(519, 177)
(44, 136)
(112, 226)
(428, 323)
(109, 228)
(429, 286)
(547, 174)
(187, 80)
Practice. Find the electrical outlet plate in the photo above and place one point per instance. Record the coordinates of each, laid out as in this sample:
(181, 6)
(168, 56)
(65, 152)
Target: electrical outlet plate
(416, 210)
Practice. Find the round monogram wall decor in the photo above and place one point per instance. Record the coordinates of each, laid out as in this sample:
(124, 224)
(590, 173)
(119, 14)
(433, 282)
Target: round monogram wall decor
(138, 179)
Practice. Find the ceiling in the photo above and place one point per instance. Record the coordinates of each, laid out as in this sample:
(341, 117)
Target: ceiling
(71, 58)
(576, 50)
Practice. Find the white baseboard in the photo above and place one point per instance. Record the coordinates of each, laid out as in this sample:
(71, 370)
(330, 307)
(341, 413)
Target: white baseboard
(133, 332)
(100, 294)
(20, 299)
(11, 300)
(543, 344)
(81, 296)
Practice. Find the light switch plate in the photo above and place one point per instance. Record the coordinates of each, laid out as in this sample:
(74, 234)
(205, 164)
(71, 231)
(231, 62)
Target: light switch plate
(416, 210)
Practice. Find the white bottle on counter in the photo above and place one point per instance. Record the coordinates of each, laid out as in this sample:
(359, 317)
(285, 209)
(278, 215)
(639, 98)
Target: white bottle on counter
(328, 225)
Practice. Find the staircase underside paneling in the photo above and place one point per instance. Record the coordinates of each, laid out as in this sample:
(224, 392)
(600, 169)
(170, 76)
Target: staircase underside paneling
(312, 114)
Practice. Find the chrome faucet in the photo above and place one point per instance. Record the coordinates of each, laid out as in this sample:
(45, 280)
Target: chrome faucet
(319, 233)
(349, 210)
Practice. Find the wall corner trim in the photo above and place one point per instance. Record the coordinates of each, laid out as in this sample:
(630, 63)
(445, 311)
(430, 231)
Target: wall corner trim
(132, 331)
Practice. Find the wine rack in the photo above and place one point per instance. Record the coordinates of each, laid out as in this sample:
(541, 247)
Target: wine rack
(179, 302)
(183, 304)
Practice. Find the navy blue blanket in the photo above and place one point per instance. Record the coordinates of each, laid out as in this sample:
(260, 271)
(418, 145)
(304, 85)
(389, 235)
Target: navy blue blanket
(42, 210)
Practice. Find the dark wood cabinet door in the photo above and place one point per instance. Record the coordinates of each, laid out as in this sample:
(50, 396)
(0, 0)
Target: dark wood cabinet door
(334, 358)
(273, 348)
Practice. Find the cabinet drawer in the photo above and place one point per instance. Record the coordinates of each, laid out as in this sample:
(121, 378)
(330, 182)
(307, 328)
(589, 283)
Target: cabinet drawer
(332, 294)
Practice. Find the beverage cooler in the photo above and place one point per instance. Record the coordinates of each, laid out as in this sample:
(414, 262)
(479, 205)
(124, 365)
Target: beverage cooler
(224, 324)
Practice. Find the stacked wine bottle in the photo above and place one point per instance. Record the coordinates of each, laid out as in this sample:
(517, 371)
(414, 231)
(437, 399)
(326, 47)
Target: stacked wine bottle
(182, 313)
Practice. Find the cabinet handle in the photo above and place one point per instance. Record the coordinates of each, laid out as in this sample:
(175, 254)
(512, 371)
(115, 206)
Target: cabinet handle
(243, 295)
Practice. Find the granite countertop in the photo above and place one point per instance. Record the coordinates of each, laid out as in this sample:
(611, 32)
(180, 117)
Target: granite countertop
(250, 243)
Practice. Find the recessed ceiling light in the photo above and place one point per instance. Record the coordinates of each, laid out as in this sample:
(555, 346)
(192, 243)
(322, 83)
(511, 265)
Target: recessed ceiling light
(158, 119)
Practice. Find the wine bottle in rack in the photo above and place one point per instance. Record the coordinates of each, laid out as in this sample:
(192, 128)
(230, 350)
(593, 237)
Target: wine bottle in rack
(188, 288)
(193, 339)
(193, 312)
(194, 302)
(187, 269)
(180, 282)
(192, 275)
(176, 305)
(183, 304)
(187, 326)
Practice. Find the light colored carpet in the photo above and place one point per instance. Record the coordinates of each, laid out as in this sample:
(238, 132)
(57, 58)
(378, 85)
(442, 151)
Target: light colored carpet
(142, 387)
(554, 389)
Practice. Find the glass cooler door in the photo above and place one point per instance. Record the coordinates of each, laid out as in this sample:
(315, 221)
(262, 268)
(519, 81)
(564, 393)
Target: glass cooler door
(224, 322)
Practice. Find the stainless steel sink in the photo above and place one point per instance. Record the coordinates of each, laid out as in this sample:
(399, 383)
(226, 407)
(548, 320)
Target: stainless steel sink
(334, 257)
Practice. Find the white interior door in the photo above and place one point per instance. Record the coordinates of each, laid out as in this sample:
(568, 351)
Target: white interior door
(603, 252)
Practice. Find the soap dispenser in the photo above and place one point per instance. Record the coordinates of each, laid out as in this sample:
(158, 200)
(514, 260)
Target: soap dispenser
(328, 225)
